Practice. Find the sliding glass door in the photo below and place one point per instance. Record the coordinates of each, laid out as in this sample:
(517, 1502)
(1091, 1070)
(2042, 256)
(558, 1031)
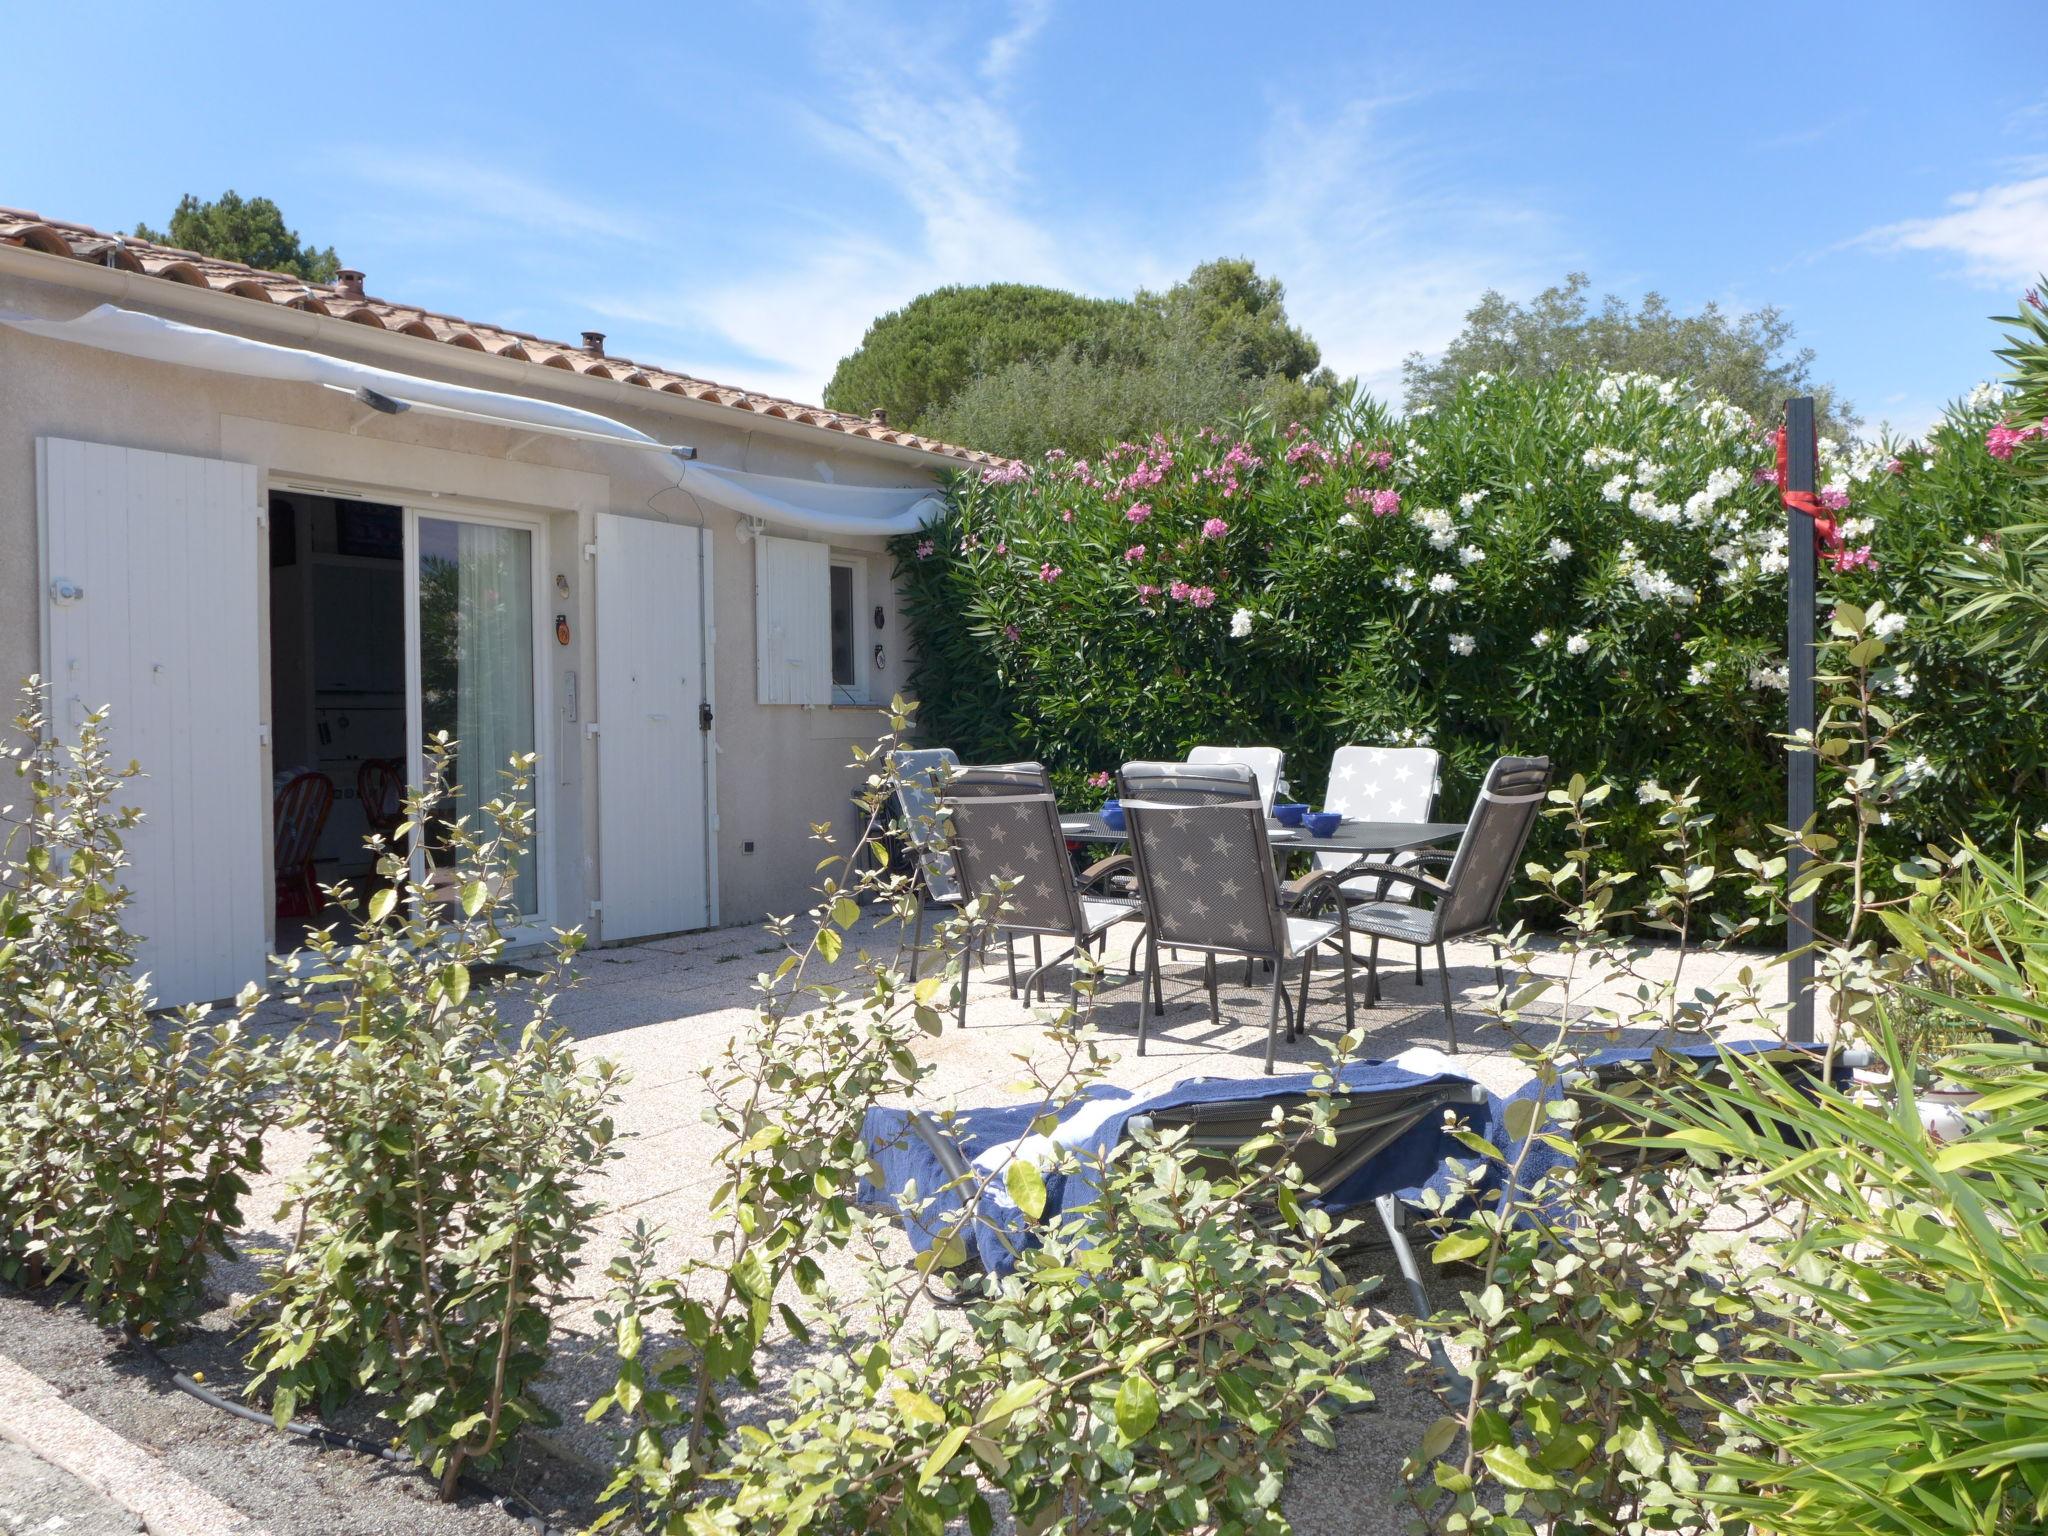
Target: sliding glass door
(473, 625)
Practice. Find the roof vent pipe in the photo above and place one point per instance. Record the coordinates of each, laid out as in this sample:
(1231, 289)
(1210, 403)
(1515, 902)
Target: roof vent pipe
(593, 343)
(348, 282)
(879, 417)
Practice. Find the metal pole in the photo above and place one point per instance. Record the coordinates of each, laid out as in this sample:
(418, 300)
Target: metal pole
(1799, 716)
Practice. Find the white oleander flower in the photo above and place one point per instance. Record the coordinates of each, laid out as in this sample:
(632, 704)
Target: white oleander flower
(1884, 624)
(1470, 500)
(1616, 490)
(1348, 520)
(1463, 645)
(1764, 675)
(1403, 580)
(1443, 581)
(1241, 623)
(1559, 551)
(1649, 792)
(1577, 645)
(1699, 673)
(1471, 554)
(1541, 639)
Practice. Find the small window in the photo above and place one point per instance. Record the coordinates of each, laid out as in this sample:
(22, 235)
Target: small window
(843, 615)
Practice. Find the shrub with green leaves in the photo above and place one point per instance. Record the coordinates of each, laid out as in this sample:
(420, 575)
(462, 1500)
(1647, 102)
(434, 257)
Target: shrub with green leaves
(1587, 567)
(125, 1140)
(441, 1211)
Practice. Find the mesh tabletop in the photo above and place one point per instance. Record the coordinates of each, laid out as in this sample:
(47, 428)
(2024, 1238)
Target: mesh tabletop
(1355, 837)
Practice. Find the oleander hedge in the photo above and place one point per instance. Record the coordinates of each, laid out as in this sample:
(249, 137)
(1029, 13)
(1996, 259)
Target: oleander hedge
(1588, 566)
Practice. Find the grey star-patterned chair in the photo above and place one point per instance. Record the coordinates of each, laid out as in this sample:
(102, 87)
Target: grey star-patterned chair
(1381, 784)
(1003, 828)
(1206, 878)
(1264, 762)
(1466, 900)
(919, 773)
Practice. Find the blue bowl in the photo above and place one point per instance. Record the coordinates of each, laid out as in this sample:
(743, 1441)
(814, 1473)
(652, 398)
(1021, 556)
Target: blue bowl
(1289, 813)
(1113, 815)
(1323, 823)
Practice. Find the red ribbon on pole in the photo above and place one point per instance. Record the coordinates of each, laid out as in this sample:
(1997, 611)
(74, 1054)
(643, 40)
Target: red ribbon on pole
(1827, 533)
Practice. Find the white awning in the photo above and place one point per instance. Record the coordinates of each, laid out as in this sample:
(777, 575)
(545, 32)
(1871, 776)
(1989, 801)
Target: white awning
(819, 506)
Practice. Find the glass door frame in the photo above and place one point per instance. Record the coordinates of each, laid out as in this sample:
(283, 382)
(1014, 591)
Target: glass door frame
(532, 926)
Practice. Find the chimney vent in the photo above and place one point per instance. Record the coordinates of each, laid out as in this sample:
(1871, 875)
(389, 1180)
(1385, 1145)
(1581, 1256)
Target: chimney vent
(879, 417)
(593, 343)
(348, 282)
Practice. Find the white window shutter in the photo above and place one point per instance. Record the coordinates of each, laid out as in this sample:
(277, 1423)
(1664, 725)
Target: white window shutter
(793, 620)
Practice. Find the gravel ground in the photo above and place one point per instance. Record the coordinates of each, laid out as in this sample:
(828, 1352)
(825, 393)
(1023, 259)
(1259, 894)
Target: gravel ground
(288, 1485)
(38, 1498)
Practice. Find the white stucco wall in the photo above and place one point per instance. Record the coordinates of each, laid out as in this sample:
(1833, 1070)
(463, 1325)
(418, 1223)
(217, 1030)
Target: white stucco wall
(778, 768)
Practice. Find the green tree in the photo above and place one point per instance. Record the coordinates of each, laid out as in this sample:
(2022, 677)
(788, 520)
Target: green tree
(1745, 359)
(249, 230)
(915, 359)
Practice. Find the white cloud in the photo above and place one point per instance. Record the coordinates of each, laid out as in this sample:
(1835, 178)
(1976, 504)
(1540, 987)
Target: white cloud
(2000, 232)
(463, 190)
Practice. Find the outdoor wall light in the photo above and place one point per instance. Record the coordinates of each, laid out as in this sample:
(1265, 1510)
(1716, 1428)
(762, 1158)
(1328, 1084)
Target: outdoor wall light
(881, 617)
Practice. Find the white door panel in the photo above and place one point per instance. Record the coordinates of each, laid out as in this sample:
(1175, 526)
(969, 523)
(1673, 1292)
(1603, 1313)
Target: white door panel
(651, 782)
(164, 551)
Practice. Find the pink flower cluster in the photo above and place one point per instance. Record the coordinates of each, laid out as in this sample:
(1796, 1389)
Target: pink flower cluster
(1194, 597)
(1099, 779)
(1049, 573)
(1134, 554)
(1138, 511)
(1008, 473)
(924, 549)
(1215, 528)
(1240, 460)
(1834, 500)
(1846, 559)
(2002, 439)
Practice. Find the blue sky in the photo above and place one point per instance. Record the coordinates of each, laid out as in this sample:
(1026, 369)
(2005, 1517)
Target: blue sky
(739, 189)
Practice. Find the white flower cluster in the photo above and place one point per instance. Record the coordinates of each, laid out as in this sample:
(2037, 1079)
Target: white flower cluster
(1983, 395)
(1577, 645)
(1403, 580)
(1649, 792)
(1601, 456)
(1437, 523)
(1764, 675)
(1725, 420)
(1463, 645)
(1241, 623)
(1914, 772)
(1470, 500)
(1699, 673)
(1470, 554)
(1443, 582)
(1651, 585)
(1901, 683)
(1541, 639)
(1348, 520)
(1408, 736)
(1721, 484)
(1613, 386)
(1616, 489)
(1885, 624)
(1559, 551)
(1646, 504)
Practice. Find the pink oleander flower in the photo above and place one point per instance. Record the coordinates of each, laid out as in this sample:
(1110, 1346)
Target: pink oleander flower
(1859, 558)
(1137, 512)
(971, 541)
(1895, 466)
(1201, 597)
(1835, 501)
(1049, 573)
(1179, 591)
(1008, 473)
(1380, 458)
(2000, 441)
(1134, 554)
(1099, 779)
(1067, 515)
(1146, 591)
(1012, 633)
(1215, 528)
(924, 549)
(1313, 477)
(2034, 298)
(1385, 503)
(1765, 477)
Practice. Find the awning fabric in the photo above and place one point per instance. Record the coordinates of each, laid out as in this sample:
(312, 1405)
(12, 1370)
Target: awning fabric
(818, 506)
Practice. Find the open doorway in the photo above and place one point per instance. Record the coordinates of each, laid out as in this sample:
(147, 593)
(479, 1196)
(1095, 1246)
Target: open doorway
(337, 695)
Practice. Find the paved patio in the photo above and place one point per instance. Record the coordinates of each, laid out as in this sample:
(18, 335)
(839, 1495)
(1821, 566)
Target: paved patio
(666, 1008)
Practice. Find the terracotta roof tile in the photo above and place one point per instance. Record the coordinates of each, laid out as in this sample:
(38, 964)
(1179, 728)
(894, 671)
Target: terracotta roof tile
(55, 237)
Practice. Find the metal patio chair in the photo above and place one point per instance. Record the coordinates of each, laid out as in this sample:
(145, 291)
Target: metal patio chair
(1264, 762)
(919, 773)
(1002, 826)
(1381, 784)
(1466, 901)
(1206, 878)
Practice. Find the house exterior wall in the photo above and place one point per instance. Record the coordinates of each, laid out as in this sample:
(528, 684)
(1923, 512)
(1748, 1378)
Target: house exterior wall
(778, 768)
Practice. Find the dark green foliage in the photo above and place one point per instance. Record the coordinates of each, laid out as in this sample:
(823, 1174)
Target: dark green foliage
(249, 230)
(915, 359)
(1347, 642)
(1017, 370)
(1742, 359)
(124, 1140)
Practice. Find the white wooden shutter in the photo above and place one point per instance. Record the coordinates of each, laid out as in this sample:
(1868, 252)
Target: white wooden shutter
(653, 815)
(793, 620)
(160, 557)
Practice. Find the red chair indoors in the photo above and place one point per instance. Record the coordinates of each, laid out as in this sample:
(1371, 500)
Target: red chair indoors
(299, 816)
(380, 786)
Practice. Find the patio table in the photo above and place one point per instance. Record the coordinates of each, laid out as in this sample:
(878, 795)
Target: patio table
(1361, 839)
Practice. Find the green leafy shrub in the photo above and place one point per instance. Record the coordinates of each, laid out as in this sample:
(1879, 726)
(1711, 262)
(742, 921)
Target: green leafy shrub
(1582, 566)
(441, 1210)
(125, 1140)
(1156, 1374)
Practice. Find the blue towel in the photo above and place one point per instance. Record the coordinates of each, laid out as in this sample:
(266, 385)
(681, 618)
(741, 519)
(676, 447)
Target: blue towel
(988, 1138)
